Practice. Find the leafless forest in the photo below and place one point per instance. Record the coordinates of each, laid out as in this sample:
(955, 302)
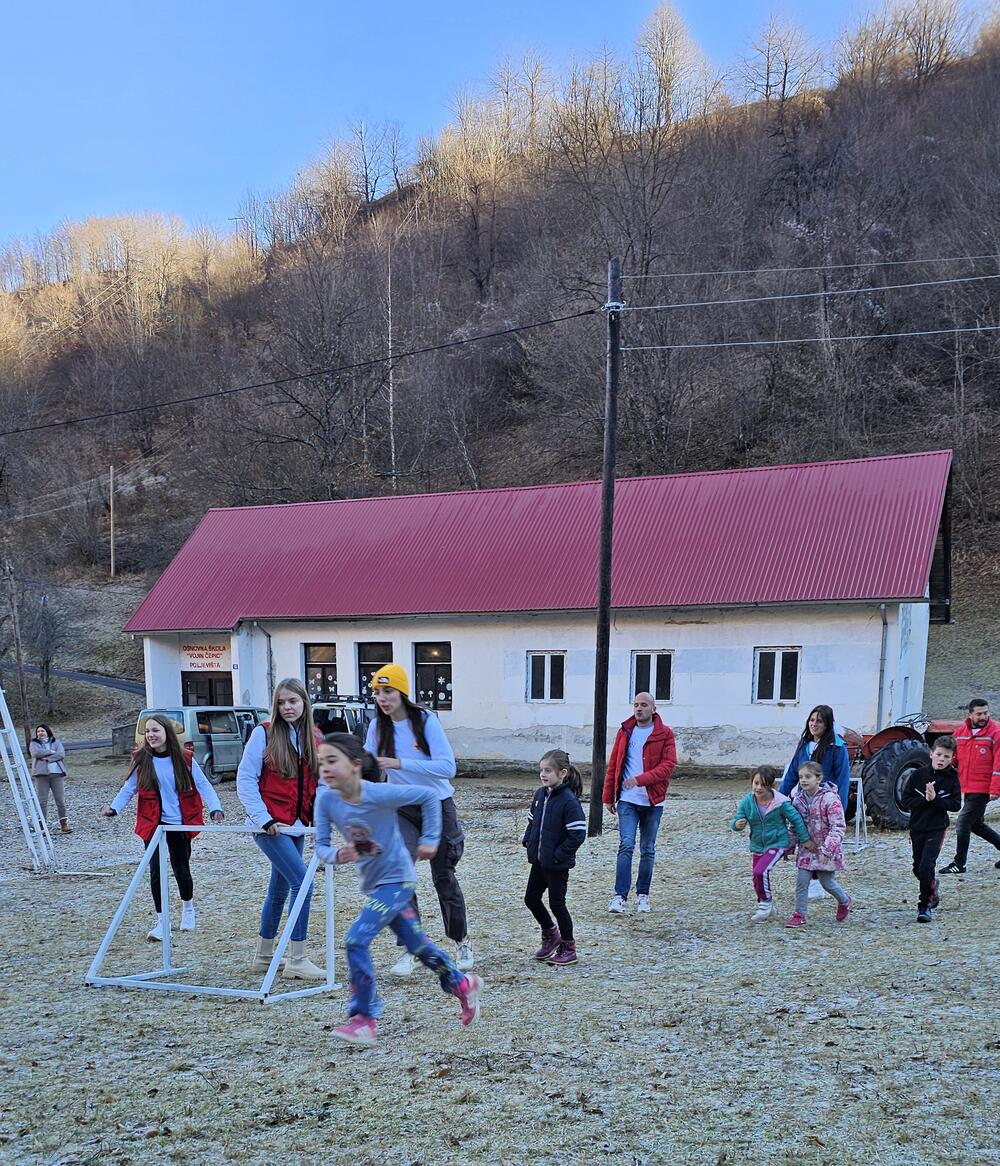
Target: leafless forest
(795, 171)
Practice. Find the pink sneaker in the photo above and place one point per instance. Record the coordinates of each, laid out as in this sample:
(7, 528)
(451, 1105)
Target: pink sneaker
(843, 909)
(468, 997)
(796, 920)
(359, 1030)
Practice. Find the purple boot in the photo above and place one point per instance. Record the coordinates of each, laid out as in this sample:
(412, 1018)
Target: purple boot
(550, 941)
(566, 954)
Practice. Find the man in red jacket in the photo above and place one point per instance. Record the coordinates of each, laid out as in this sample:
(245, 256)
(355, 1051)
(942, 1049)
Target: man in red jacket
(642, 759)
(978, 763)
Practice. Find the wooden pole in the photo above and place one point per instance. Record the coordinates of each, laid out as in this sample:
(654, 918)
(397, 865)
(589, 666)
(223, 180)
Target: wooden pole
(599, 757)
(111, 499)
(18, 654)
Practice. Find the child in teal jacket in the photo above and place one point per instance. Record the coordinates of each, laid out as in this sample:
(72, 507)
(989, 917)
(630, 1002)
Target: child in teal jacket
(769, 815)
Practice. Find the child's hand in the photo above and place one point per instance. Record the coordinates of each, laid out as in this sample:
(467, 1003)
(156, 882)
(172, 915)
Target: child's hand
(108, 812)
(425, 850)
(216, 815)
(347, 853)
(740, 824)
(929, 791)
(810, 845)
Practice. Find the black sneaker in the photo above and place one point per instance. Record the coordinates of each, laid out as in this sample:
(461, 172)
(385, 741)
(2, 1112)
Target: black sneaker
(952, 868)
(924, 915)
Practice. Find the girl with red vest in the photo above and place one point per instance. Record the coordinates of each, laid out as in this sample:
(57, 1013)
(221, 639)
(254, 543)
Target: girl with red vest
(276, 782)
(171, 790)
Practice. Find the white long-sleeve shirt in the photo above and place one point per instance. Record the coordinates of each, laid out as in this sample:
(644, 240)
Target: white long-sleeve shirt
(416, 768)
(170, 814)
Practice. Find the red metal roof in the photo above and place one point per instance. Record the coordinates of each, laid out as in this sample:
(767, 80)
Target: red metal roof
(848, 530)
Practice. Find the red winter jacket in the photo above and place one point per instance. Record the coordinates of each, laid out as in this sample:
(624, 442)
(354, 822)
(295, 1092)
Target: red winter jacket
(978, 759)
(659, 759)
(148, 809)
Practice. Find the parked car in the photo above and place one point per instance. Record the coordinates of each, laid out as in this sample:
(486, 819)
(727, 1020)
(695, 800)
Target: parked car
(214, 734)
(344, 714)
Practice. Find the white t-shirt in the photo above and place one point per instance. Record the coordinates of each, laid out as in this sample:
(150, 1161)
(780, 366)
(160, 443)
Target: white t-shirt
(634, 766)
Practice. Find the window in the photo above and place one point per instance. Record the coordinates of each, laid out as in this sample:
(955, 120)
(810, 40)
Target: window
(200, 688)
(371, 657)
(776, 675)
(432, 670)
(217, 722)
(321, 670)
(652, 672)
(546, 675)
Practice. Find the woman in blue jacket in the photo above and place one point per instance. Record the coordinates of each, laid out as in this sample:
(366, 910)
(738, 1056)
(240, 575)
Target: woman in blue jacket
(820, 743)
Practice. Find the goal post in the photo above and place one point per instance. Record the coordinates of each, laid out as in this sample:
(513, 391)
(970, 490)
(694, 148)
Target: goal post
(154, 980)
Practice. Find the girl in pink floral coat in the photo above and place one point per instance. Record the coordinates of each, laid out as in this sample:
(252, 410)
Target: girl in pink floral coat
(820, 808)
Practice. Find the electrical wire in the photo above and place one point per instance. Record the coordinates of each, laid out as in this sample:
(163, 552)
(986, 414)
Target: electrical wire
(819, 267)
(302, 376)
(847, 291)
(809, 339)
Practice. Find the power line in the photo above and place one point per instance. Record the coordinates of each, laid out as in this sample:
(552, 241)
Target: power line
(367, 363)
(809, 339)
(847, 291)
(819, 267)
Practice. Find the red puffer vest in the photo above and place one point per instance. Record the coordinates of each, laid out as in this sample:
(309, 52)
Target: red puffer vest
(289, 799)
(148, 809)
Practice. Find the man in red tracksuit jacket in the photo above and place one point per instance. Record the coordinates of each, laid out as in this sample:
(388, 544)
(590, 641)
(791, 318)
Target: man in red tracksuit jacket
(642, 759)
(978, 761)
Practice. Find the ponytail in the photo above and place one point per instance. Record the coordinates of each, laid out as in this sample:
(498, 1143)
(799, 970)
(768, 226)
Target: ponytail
(560, 759)
(351, 747)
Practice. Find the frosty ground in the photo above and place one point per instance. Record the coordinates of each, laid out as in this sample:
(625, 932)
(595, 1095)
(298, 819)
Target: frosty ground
(686, 1035)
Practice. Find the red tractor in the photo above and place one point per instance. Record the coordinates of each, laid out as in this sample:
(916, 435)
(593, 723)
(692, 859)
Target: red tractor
(887, 758)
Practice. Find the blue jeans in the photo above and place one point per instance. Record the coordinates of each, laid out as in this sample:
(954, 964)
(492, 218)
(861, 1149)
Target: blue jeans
(284, 852)
(645, 820)
(391, 905)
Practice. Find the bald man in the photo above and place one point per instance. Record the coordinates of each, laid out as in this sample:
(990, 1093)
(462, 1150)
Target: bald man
(642, 759)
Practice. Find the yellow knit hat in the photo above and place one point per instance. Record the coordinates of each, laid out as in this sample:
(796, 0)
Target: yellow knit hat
(391, 676)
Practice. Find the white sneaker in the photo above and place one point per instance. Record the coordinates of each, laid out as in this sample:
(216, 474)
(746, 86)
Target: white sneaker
(816, 889)
(187, 916)
(464, 957)
(643, 903)
(405, 966)
(155, 933)
(617, 905)
(764, 911)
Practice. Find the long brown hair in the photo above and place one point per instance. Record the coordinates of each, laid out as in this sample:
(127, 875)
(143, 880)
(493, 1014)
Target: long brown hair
(281, 754)
(142, 763)
(415, 714)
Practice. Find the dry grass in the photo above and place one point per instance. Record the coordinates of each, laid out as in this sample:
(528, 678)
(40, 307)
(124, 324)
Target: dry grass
(684, 1036)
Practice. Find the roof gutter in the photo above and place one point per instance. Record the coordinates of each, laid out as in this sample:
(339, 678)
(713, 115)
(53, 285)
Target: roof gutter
(270, 657)
(881, 669)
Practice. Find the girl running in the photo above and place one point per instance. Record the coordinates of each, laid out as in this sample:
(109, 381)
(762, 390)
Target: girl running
(365, 815)
(555, 832)
(276, 782)
(173, 791)
(819, 806)
(768, 814)
(411, 749)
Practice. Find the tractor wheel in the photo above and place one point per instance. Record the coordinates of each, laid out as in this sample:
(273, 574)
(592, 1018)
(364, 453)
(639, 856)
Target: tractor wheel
(884, 777)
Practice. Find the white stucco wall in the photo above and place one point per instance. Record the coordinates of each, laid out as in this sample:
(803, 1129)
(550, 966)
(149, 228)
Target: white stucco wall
(712, 709)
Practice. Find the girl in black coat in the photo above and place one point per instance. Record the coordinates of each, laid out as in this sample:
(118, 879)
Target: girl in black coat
(555, 831)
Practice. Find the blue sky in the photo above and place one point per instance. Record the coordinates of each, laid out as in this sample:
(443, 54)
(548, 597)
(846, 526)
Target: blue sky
(133, 105)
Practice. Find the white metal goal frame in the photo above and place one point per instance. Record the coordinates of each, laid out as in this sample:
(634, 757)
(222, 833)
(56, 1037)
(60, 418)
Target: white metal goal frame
(860, 816)
(153, 980)
(22, 788)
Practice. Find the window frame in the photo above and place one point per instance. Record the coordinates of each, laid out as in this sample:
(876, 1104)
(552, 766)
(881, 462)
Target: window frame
(779, 651)
(324, 664)
(654, 654)
(547, 654)
(432, 703)
(364, 682)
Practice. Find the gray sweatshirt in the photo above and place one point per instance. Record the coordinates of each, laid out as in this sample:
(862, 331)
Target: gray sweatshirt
(372, 824)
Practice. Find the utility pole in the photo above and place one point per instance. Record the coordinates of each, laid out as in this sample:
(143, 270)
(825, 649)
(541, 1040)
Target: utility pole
(392, 387)
(599, 757)
(111, 500)
(8, 568)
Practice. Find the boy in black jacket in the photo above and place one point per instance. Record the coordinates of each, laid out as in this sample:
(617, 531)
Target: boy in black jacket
(930, 792)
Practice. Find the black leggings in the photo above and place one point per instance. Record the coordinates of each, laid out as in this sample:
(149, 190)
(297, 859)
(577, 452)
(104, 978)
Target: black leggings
(543, 879)
(179, 849)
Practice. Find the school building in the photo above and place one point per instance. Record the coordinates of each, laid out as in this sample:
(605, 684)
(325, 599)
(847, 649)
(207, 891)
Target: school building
(740, 599)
